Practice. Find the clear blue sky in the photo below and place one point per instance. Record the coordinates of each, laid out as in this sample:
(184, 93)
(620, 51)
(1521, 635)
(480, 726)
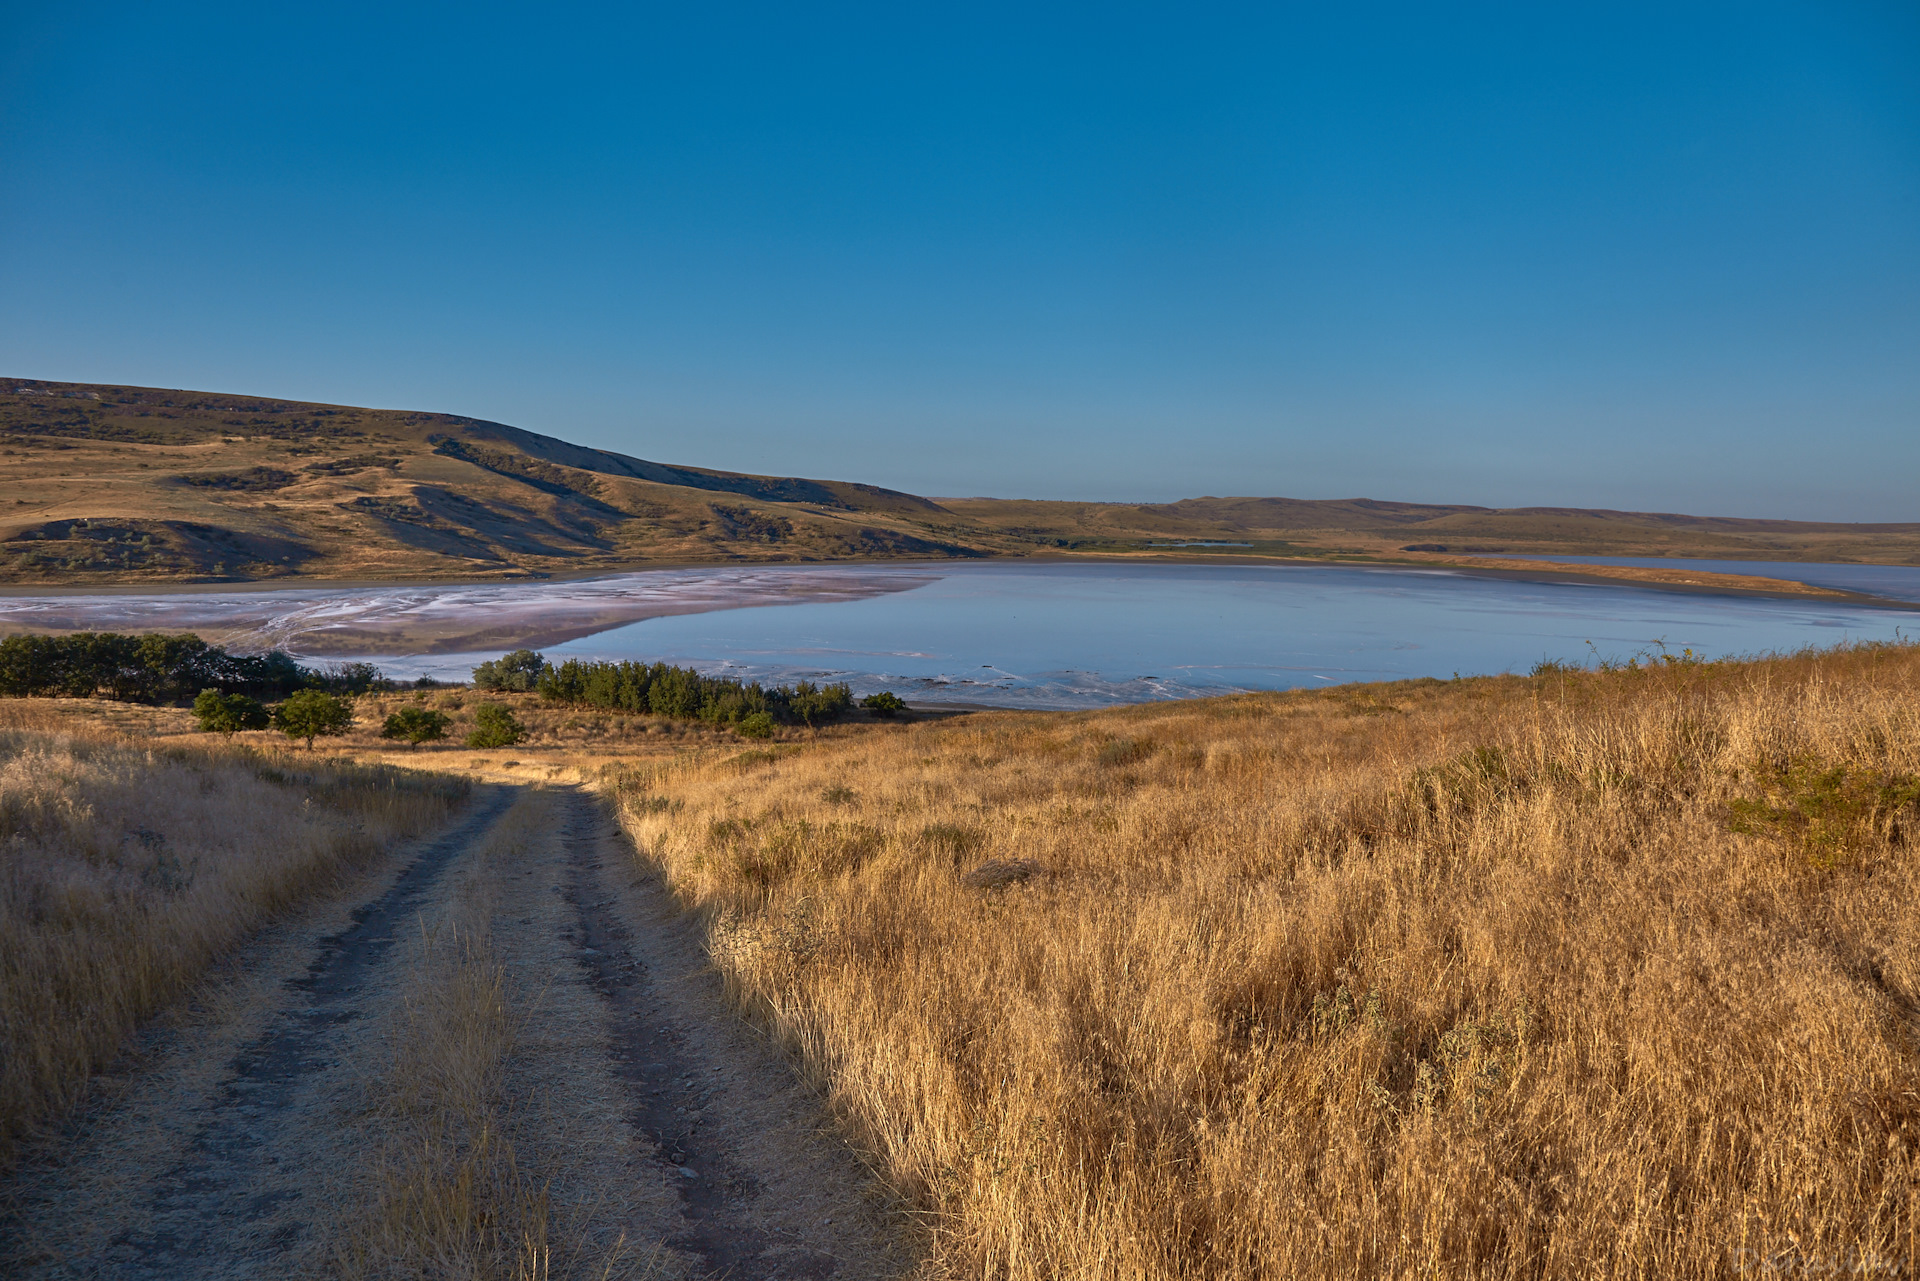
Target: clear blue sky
(1661, 256)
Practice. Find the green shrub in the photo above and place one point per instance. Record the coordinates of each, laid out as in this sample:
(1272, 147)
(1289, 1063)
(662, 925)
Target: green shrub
(416, 725)
(352, 678)
(811, 704)
(495, 726)
(517, 673)
(217, 713)
(886, 704)
(312, 714)
(755, 725)
(680, 693)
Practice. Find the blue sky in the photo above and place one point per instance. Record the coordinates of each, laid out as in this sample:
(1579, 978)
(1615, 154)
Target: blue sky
(1657, 257)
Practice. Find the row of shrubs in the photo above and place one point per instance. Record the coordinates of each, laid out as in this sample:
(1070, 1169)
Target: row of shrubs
(677, 692)
(312, 713)
(230, 691)
(156, 667)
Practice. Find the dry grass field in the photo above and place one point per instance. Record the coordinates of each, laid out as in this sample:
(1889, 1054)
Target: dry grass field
(1595, 974)
(130, 864)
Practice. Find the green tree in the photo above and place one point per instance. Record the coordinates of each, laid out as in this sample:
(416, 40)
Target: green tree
(885, 705)
(755, 725)
(515, 673)
(416, 725)
(813, 704)
(312, 714)
(495, 726)
(218, 713)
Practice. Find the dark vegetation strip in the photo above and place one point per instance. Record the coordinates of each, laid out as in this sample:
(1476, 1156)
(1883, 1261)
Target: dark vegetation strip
(664, 690)
(158, 667)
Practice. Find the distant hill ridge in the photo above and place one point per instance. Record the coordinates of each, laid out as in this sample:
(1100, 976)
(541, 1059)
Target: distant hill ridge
(111, 484)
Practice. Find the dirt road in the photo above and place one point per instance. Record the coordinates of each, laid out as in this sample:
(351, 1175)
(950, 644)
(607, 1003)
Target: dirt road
(276, 1128)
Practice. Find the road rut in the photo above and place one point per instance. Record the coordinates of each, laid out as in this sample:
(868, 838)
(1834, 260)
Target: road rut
(670, 1139)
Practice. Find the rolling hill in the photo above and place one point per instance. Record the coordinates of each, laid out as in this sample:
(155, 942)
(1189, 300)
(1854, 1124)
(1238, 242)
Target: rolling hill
(127, 485)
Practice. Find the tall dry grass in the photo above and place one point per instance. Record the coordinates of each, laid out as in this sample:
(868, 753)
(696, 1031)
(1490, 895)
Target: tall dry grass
(127, 868)
(1592, 974)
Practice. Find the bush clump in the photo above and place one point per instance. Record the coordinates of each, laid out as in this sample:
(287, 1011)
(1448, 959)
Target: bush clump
(755, 725)
(886, 704)
(154, 667)
(217, 713)
(679, 693)
(495, 726)
(515, 673)
(416, 725)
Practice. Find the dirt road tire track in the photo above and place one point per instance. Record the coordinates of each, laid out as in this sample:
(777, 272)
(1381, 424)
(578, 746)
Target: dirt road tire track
(232, 1201)
(767, 1189)
(669, 1134)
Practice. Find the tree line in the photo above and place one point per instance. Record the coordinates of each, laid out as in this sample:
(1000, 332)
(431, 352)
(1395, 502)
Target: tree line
(228, 691)
(680, 693)
(156, 667)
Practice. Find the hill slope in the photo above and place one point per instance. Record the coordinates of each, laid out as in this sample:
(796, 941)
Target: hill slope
(107, 484)
(111, 484)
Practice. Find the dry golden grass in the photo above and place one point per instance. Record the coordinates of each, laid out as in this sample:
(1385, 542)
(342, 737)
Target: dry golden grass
(1597, 974)
(127, 868)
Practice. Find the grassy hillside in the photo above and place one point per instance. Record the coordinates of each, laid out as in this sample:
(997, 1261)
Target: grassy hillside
(106, 484)
(1586, 974)
(123, 484)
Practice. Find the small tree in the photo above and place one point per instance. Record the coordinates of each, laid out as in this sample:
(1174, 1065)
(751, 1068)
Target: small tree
(312, 714)
(416, 725)
(515, 673)
(886, 704)
(218, 713)
(755, 725)
(495, 726)
(813, 704)
(353, 678)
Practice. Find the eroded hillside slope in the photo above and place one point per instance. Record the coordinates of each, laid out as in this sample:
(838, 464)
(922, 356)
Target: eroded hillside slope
(128, 484)
(107, 484)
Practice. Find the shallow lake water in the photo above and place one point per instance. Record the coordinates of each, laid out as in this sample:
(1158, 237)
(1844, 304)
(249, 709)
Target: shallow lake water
(1079, 634)
(1085, 635)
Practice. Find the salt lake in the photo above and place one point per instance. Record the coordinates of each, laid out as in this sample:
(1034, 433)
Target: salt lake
(1027, 634)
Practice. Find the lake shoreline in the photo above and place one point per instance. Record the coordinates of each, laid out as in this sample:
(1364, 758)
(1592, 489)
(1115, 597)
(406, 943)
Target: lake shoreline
(499, 624)
(1465, 567)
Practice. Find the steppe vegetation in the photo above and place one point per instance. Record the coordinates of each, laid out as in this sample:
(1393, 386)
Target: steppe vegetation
(1589, 973)
(113, 484)
(131, 864)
